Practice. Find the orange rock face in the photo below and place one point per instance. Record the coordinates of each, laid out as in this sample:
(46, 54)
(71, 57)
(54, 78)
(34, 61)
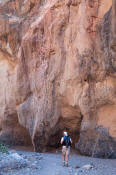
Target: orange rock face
(58, 68)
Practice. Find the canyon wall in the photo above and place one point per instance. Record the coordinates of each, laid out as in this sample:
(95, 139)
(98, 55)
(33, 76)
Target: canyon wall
(58, 72)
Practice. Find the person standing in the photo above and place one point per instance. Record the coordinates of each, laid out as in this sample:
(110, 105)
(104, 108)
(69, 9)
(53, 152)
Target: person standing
(66, 142)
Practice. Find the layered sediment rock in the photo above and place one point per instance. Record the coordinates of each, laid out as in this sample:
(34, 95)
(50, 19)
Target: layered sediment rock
(57, 63)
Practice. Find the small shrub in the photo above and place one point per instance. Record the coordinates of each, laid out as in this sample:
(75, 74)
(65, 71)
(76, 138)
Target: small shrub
(3, 148)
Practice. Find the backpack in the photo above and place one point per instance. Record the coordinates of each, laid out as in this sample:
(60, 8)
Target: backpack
(66, 141)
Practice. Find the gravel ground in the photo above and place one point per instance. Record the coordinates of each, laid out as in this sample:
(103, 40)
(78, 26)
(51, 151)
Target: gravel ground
(51, 164)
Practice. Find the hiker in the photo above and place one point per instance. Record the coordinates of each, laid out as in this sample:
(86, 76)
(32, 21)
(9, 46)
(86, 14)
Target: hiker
(66, 143)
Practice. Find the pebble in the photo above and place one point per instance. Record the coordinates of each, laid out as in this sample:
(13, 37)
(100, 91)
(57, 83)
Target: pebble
(87, 167)
(76, 166)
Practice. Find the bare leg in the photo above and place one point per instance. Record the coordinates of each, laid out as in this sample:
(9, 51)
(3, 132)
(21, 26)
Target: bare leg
(63, 159)
(67, 159)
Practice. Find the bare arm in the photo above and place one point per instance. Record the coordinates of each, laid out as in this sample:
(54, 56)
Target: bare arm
(61, 141)
(71, 140)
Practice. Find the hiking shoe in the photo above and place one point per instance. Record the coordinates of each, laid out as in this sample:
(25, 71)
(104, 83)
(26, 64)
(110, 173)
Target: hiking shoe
(63, 164)
(66, 164)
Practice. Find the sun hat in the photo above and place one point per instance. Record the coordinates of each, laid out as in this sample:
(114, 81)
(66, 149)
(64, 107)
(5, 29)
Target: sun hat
(65, 133)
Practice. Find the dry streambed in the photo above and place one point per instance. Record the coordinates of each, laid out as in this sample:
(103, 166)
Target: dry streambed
(30, 163)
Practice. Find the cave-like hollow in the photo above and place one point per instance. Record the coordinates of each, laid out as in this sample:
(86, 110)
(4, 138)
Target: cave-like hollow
(13, 134)
(71, 125)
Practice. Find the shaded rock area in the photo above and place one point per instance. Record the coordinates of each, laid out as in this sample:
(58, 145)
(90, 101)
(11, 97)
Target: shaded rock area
(99, 144)
(58, 72)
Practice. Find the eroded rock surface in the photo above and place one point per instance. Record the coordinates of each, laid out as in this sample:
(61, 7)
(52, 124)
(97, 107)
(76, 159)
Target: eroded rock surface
(57, 64)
